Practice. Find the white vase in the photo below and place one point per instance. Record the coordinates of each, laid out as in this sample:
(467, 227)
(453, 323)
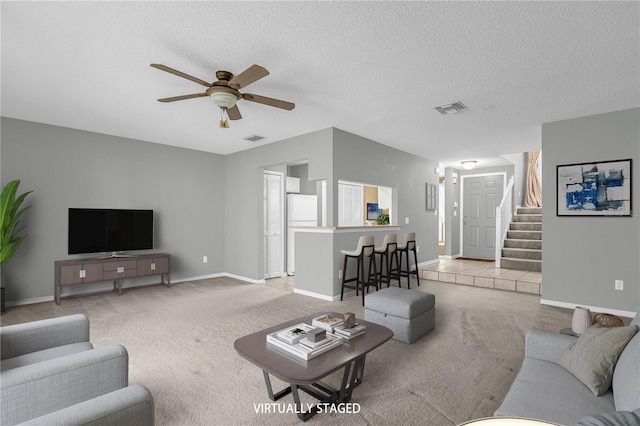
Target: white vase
(581, 320)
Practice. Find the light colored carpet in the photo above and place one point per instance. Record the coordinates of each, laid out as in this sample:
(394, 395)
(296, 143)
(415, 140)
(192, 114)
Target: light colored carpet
(180, 343)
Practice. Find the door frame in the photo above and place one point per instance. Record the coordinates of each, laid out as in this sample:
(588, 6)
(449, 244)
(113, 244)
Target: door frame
(461, 218)
(282, 175)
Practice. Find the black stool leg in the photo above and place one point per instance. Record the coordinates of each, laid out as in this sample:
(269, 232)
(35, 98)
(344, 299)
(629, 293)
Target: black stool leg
(415, 258)
(395, 256)
(344, 276)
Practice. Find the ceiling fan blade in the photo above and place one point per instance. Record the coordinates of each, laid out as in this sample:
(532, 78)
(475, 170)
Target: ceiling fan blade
(181, 74)
(248, 76)
(234, 113)
(183, 97)
(269, 101)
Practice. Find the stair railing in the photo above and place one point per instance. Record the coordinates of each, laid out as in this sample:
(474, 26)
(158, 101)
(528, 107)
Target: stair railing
(504, 213)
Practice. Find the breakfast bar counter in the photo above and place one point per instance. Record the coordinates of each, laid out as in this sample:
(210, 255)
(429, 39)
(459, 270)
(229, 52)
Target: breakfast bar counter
(319, 260)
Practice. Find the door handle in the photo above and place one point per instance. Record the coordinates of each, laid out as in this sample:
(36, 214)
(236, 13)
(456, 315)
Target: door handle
(464, 221)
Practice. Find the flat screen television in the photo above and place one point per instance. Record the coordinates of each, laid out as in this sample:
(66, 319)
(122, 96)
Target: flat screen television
(373, 212)
(109, 230)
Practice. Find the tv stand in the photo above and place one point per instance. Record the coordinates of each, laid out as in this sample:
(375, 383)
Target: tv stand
(116, 269)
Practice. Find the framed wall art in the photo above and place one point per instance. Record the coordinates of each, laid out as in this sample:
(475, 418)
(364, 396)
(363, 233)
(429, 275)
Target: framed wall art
(594, 189)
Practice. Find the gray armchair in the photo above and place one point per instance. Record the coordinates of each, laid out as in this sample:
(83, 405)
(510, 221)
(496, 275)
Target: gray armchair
(50, 373)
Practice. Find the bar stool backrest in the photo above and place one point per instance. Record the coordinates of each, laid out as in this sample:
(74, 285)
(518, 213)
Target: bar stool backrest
(409, 241)
(366, 241)
(390, 239)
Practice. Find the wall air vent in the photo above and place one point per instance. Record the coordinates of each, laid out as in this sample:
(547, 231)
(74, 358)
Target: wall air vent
(253, 138)
(451, 108)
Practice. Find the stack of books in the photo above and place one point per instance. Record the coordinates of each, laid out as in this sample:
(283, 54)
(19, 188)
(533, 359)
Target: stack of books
(293, 340)
(349, 333)
(327, 322)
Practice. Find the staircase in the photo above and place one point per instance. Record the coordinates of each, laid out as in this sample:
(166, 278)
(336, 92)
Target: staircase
(523, 245)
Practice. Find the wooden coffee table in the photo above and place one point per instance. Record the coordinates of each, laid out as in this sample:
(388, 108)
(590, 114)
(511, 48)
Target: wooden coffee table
(307, 375)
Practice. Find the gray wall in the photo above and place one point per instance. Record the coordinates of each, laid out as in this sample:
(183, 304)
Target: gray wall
(584, 255)
(452, 214)
(71, 168)
(520, 176)
(332, 154)
(361, 160)
(244, 210)
(301, 171)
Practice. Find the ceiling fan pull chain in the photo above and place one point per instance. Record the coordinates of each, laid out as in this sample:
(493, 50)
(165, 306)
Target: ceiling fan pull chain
(224, 119)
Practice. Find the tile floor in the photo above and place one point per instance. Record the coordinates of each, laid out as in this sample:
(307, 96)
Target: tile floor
(482, 274)
(461, 271)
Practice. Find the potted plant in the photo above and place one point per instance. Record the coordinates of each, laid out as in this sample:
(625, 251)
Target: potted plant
(10, 213)
(383, 219)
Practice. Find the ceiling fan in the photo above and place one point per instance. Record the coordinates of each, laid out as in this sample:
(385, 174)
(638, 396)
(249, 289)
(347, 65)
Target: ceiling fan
(224, 92)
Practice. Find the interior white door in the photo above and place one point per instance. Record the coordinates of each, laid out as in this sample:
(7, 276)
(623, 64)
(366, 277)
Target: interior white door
(350, 198)
(273, 224)
(482, 194)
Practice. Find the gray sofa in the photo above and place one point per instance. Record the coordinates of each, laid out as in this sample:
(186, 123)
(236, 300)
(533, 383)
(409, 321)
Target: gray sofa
(51, 374)
(544, 390)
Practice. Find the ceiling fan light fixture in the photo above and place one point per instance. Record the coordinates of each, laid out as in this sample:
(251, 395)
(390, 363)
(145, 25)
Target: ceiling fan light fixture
(224, 99)
(468, 164)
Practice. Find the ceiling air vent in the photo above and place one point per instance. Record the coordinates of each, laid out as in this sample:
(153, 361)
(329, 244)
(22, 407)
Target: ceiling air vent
(253, 138)
(451, 108)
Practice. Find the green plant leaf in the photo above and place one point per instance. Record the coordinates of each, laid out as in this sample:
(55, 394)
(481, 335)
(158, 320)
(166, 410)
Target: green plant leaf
(7, 200)
(10, 214)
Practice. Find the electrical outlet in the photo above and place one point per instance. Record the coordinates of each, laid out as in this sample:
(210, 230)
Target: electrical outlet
(619, 285)
(417, 249)
(205, 259)
(339, 274)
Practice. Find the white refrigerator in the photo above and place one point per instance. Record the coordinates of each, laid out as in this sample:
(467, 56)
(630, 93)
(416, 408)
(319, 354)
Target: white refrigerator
(302, 210)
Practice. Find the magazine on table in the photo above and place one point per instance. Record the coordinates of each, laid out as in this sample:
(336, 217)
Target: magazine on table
(350, 330)
(327, 322)
(292, 335)
(300, 350)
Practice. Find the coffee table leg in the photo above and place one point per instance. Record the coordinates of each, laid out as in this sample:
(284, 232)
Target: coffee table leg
(304, 416)
(283, 392)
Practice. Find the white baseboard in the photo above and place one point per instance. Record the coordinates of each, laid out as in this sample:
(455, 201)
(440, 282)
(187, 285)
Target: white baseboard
(316, 295)
(34, 300)
(453, 256)
(618, 312)
(428, 262)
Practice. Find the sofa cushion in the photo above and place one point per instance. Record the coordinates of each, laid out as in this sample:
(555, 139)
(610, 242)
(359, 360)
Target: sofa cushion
(544, 390)
(614, 418)
(593, 357)
(626, 376)
(44, 355)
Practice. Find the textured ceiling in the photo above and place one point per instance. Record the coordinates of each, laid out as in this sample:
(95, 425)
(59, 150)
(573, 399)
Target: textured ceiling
(376, 69)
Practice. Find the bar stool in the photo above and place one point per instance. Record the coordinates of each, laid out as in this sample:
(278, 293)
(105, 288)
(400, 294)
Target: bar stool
(408, 245)
(366, 248)
(388, 253)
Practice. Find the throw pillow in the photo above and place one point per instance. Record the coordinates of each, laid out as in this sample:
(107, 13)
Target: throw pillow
(594, 355)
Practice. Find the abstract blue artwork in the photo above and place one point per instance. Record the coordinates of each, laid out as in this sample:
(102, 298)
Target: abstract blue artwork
(595, 189)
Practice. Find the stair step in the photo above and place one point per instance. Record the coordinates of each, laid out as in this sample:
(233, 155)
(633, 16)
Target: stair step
(527, 218)
(529, 210)
(523, 244)
(520, 253)
(521, 264)
(525, 235)
(525, 226)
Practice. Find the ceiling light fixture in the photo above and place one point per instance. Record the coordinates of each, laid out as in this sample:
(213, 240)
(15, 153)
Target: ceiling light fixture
(468, 164)
(224, 101)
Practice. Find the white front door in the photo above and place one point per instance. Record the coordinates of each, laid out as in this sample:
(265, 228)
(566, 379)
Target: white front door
(482, 194)
(273, 224)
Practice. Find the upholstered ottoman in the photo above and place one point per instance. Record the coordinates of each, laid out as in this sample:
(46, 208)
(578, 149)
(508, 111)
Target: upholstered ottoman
(409, 314)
